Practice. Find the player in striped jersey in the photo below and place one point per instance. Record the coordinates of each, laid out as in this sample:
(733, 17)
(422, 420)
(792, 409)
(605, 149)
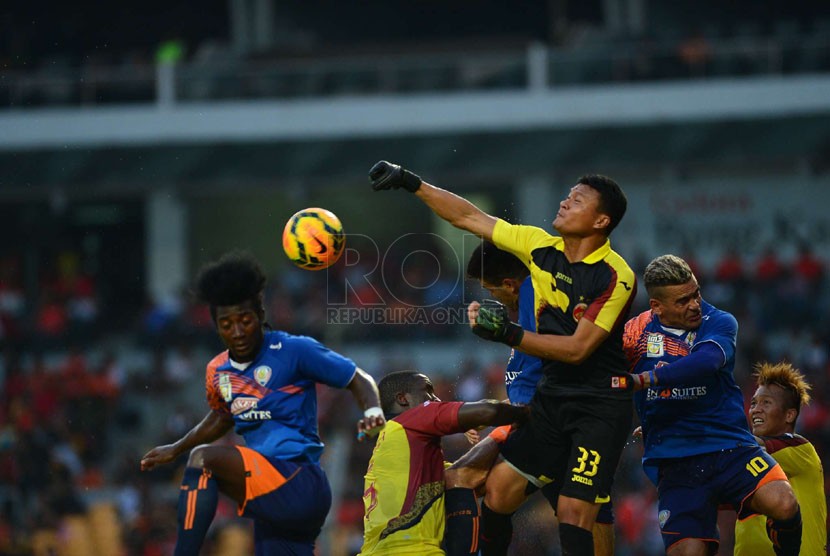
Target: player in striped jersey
(264, 386)
(773, 412)
(508, 281)
(404, 484)
(582, 406)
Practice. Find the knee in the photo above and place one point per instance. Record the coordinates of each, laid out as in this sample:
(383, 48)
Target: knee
(503, 501)
(787, 506)
(198, 456)
(464, 477)
(497, 502)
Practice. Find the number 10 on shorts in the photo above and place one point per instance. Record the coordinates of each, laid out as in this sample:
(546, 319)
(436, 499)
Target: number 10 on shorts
(757, 465)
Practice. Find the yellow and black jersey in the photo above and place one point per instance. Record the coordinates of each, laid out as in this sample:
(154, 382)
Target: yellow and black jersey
(600, 288)
(799, 460)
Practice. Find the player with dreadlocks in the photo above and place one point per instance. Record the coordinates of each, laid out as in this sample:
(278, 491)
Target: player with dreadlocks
(264, 386)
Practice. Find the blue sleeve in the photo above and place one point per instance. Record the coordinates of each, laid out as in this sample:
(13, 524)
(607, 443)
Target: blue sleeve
(316, 361)
(721, 330)
(527, 306)
(706, 360)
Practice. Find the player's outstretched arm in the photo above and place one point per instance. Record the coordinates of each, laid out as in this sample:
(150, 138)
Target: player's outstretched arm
(213, 427)
(456, 210)
(491, 412)
(365, 392)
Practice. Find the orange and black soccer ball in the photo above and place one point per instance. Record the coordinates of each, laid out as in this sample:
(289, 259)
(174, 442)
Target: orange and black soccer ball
(313, 238)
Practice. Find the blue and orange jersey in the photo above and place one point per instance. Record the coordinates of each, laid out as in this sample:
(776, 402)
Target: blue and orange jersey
(799, 460)
(705, 415)
(523, 371)
(273, 399)
(600, 288)
(403, 496)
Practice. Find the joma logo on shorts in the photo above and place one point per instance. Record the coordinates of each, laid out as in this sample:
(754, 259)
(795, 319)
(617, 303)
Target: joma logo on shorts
(583, 480)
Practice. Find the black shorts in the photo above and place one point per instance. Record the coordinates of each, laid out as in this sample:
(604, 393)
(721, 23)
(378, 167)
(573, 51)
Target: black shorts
(574, 441)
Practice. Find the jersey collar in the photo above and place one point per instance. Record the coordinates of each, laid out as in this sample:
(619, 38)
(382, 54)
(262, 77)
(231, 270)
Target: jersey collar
(599, 254)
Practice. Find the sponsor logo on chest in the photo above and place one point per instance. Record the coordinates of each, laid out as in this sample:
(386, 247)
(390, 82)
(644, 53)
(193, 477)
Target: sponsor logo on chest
(246, 409)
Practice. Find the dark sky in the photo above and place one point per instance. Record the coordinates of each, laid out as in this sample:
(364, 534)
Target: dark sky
(33, 30)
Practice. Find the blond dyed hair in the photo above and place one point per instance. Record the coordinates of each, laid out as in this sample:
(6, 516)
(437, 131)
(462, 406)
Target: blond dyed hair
(787, 377)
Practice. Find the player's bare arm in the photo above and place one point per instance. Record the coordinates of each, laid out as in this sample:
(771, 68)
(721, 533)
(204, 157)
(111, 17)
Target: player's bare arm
(214, 426)
(365, 392)
(473, 414)
(574, 349)
(453, 208)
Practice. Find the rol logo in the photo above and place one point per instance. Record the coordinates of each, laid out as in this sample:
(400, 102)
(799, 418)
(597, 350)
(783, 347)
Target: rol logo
(663, 517)
(262, 374)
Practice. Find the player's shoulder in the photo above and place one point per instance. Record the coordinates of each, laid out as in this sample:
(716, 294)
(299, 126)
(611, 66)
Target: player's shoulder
(712, 316)
(776, 443)
(426, 410)
(278, 340)
(539, 235)
(638, 324)
(217, 361)
(620, 266)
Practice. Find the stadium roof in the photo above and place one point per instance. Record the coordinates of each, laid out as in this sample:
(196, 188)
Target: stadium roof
(29, 173)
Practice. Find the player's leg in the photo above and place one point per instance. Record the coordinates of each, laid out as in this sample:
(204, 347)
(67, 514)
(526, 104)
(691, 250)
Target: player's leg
(771, 495)
(470, 470)
(603, 531)
(505, 491)
(210, 469)
(288, 501)
(462, 479)
(528, 461)
(463, 519)
(598, 430)
(687, 505)
(603, 539)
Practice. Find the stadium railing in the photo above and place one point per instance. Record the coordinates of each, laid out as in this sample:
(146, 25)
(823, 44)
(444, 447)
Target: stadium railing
(223, 77)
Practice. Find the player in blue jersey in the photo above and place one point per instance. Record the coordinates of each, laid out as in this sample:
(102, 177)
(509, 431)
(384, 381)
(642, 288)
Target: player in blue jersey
(698, 449)
(264, 386)
(508, 281)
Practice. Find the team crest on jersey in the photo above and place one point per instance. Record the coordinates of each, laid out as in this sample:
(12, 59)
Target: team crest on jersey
(225, 387)
(654, 345)
(663, 517)
(579, 310)
(262, 375)
(690, 338)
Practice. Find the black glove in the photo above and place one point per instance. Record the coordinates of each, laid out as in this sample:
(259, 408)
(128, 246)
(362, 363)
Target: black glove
(493, 323)
(385, 175)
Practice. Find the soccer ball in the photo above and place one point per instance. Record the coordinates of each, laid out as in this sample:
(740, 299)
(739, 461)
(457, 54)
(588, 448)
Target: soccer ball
(313, 238)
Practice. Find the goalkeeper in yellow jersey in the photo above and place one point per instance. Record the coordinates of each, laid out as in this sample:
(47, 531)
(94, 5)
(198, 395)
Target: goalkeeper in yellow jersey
(773, 412)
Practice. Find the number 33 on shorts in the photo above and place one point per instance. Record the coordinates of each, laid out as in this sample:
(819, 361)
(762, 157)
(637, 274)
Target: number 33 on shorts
(587, 463)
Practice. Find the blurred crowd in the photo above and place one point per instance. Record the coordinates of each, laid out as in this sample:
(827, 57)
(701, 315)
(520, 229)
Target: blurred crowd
(83, 399)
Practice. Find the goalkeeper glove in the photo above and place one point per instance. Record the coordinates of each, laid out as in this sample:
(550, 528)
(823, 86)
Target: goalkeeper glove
(385, 175)
(493, 323)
